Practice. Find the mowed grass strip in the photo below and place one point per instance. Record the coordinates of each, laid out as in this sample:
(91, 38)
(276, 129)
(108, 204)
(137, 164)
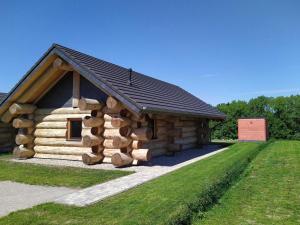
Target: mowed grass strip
(161, 201)
(268, 194)
(54, 176)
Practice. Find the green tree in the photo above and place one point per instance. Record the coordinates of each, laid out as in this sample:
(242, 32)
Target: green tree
(282, 114)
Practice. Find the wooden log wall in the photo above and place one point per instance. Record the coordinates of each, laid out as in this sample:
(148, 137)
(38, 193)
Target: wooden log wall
(50, 134)
(110, 133)
(92, 137)
(7, 135)
(24, 124)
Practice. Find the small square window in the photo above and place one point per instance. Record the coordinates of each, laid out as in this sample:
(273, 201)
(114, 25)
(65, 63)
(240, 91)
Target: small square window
(74, 129)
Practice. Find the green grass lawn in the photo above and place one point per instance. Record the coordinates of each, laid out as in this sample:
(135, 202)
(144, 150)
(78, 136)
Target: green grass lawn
(268, 194)
(163, 200)
(53, 176)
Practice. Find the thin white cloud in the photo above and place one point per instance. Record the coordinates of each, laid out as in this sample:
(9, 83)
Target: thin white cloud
(275, 91)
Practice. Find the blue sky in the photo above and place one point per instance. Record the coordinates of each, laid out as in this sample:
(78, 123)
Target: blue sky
(217, 50)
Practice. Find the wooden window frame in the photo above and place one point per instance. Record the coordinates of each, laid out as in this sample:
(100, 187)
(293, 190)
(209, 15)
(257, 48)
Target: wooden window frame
(69, 130)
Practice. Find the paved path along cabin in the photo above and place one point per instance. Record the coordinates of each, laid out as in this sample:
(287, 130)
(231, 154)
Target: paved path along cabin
(76, 107)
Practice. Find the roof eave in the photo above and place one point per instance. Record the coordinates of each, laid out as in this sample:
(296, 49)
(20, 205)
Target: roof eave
(183, 113)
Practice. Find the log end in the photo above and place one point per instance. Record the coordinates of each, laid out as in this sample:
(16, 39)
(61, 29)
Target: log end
(120, 159)
(91, 159)
(23, 153)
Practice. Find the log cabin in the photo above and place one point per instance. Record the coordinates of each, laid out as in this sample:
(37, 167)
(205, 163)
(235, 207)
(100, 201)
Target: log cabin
(74, 106)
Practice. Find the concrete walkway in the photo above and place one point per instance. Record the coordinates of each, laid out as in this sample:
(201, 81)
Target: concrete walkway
(157, 167)
(15, 196)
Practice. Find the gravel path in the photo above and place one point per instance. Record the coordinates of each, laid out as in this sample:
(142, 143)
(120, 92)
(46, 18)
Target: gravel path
(159, 167)
(158, 162)
(15, 196)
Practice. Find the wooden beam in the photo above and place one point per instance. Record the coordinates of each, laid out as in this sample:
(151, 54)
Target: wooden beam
(18, 109)
(89, 104)
(76, 89)
(29, 80)
(61, 65)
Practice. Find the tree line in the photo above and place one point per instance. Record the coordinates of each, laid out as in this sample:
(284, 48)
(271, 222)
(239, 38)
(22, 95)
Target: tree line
(282, 114)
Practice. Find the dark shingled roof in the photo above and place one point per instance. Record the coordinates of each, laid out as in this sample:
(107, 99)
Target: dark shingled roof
(2, 96)
(146, 93)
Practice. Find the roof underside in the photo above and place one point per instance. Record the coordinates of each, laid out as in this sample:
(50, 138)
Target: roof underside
(147, 93)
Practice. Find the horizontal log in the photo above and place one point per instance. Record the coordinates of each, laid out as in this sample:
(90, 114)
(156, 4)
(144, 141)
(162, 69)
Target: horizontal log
(156, 144)
(191, 134)
(161, 123)
(6, 136)
(143, 134)
(52, 125)
(111, 133)
(89, 121)
(137, 144)
(141, 154)
(18, 109)
(22, 152)
(6, 147)
(108, 111)
(61, 150)
(108, 118)
(89, 104)
(67, 110)
(185, 124)
(188, 146)
(92, 140)
(108, 143)
(56, 156)
(189, 140)
(107, 125)
(162, 137)
(138, 117)
(158, 152)
(22, 123)
(121, 159)
(58, 117)
(120, 122)
(6, 130)
(3, 125)
(174, 147)
(188, 129)
(121, 142)
(108, 152)
(57, 142)
(106, 160)
(116, 142)
(52, 133)
(91, 159)
(91, 131)
(162, 130)
(22, 139)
